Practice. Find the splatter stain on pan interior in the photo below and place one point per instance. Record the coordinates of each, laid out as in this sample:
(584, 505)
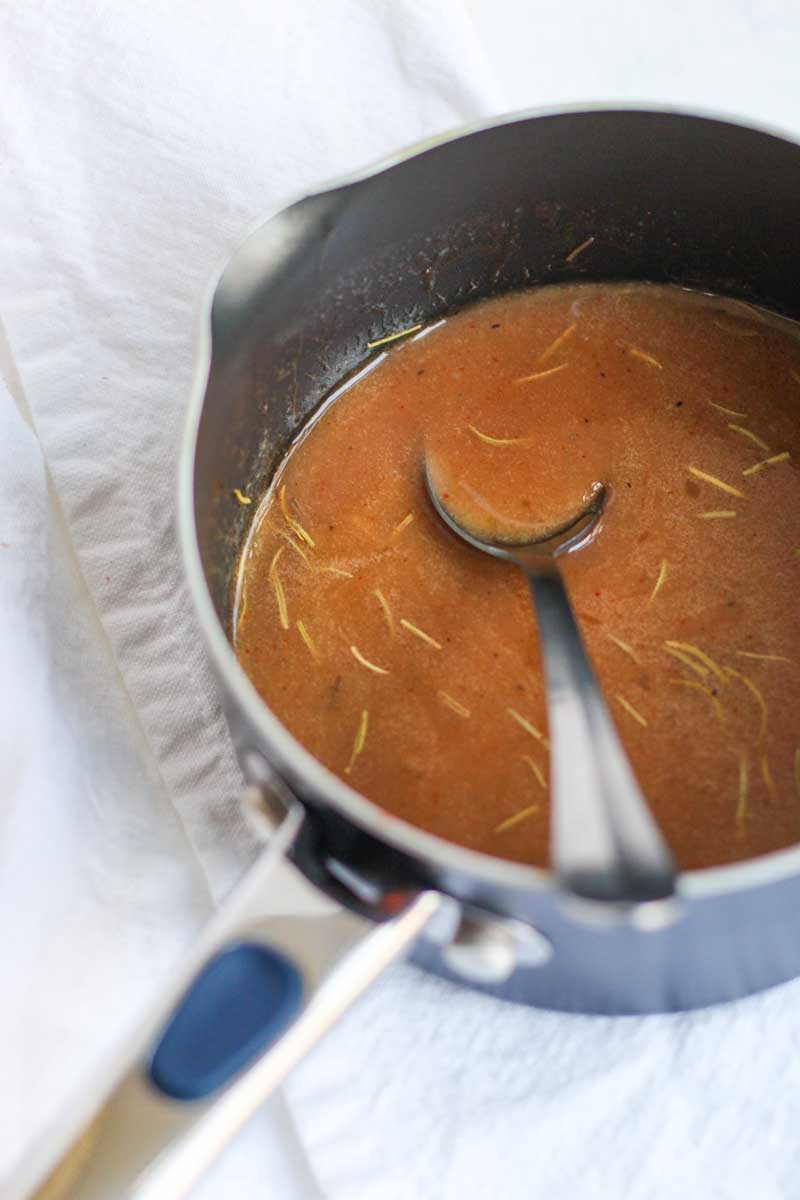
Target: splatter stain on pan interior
(408, 664)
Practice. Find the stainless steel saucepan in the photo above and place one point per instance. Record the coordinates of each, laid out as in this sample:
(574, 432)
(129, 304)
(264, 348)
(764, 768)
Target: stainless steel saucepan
(643, 195)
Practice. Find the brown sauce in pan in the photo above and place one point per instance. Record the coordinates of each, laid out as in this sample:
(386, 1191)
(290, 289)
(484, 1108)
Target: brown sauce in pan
(408, 663)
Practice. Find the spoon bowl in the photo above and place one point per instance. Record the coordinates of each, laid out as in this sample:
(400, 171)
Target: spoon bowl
(569, 535)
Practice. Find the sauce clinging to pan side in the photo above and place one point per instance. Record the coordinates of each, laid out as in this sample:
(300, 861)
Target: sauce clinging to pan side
(408, 663)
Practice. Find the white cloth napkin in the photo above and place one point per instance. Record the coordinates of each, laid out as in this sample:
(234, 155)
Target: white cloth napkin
(138, 144)
(427, 1092)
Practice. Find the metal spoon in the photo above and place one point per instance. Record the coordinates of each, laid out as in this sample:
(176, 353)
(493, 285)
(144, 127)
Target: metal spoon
(605, 845)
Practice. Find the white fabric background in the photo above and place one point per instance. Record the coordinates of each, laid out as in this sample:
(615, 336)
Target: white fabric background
(738, 56)
(137, 144)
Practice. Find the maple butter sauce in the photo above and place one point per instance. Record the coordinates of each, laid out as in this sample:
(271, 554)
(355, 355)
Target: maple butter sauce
(408, 663)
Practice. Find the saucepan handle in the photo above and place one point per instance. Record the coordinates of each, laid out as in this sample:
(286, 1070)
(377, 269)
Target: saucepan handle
(255, 997)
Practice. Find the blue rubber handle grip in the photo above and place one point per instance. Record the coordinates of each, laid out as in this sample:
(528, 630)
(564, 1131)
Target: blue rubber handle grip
(236, 1007)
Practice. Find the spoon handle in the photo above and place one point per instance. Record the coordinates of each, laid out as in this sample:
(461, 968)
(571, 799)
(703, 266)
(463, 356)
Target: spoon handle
(605, 844)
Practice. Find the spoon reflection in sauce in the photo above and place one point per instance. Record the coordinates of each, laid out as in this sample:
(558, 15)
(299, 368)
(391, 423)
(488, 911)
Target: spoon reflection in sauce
(605, 845)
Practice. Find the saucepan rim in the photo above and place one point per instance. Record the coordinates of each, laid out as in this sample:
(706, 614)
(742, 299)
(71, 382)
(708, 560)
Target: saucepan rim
(363, 813)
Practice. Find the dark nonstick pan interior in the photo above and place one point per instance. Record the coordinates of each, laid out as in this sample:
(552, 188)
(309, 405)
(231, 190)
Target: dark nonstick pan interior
(666, 198)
